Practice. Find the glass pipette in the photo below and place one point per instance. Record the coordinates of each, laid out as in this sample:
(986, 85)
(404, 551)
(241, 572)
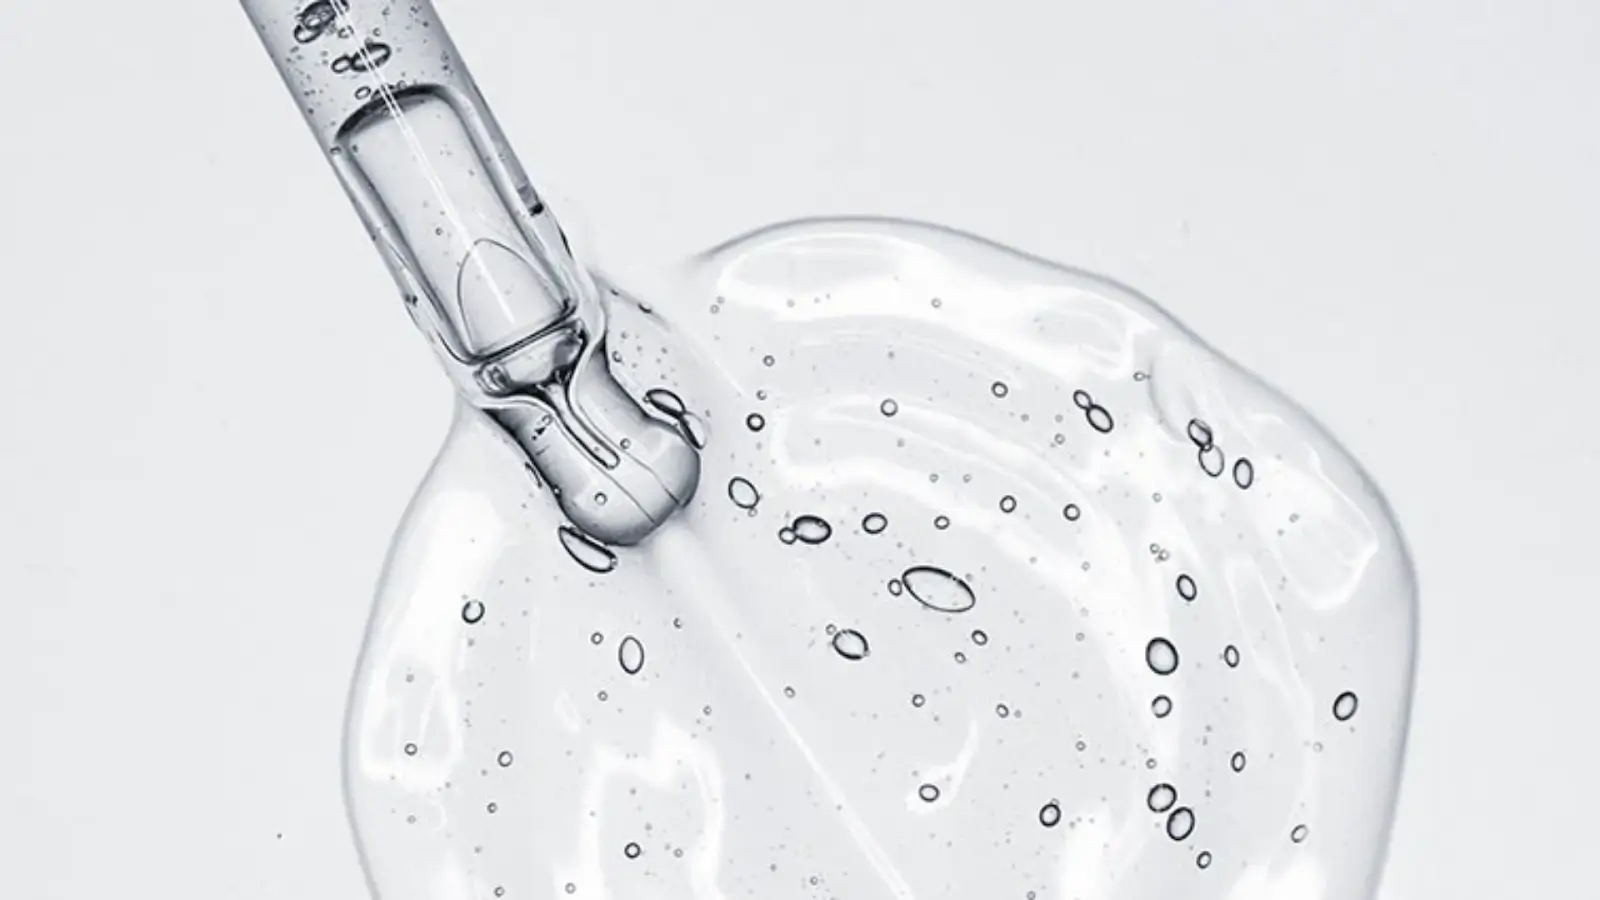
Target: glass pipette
(484, 268)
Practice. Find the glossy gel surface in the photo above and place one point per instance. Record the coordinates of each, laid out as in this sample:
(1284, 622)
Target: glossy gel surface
(998, 583)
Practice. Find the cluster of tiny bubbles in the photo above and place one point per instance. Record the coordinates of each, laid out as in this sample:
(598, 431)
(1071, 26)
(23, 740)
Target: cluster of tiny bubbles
(586, 551)
(874, 523)
(1050, 814)
(743, 494)
(888, 407)
(850, 644)
(1237, 761)
(1072, 512)
(755, 421)
(630, 655)
(928, 793)
(472, 612)
(1099, 417)
(1008, 504)
(1161, 706)
(1161, 656)
(504, 759)
(1344, 706)
(999, 389)
(1298, 835)
(1186, 588)
(1230, 655)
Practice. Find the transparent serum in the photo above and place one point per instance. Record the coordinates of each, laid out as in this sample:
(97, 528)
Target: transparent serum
(850, 559)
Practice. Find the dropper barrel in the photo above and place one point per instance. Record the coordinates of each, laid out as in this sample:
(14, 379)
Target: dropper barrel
(336, 56)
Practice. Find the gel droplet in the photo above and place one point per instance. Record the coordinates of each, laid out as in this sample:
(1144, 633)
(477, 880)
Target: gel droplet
(586, 551)
(630, 655)
(1161, 656)
(938, 590)
(850, 644)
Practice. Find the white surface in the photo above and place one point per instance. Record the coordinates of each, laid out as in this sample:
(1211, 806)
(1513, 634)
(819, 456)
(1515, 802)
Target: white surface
(214, 409)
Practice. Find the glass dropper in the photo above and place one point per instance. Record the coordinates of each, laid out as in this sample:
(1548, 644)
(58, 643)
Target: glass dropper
(484, 268)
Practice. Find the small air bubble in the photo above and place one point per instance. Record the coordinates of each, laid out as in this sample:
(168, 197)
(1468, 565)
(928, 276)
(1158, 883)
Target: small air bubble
(1082, 400)
(633, 850)
(1161, 706)
(1180, 824)
(1344, 706)
(768, 361)
(1161, 656)
(1204, 859)
(874, 523)
(1186, 588)
(850, 644)
(597, 638)
(786, 534)
(1211, 460)
(1244, 473)
(743, 494)
(472, 612)
(504, 759)
(888, 407)
(928, 793)
(1237, 762)
(1008, 504)
(630, 655)
(1072, 512)
(917, 700)
(941, 522)
(586, 551)
(1161, 798)
(999, 389)
(1230, 655)
(1099, 418)
(1050, 814)
(411, 749)
(938, 590)
(755, 421)
(1299, 834)
(1199, 433)
(811, 529)
(980, 637)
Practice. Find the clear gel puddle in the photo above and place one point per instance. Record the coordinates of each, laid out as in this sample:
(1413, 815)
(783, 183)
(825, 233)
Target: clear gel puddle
(995, 579)
(854, 559)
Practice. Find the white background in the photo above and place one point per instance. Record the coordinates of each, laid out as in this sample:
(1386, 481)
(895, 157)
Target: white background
(213, 410)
